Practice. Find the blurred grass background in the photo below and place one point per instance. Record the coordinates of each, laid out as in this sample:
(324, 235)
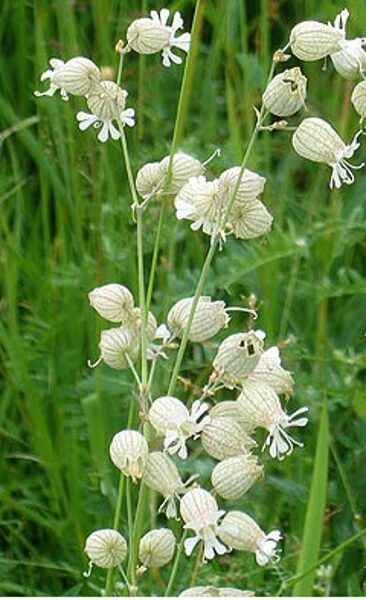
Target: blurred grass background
(65, 227)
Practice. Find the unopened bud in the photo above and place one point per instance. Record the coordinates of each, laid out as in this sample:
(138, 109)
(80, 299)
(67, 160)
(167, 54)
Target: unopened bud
(311, 40)
(106, 548)
(233, 476)
(113, 302)
(223, 437)
(183, 168)
(157, 548)
(237, 356)
(209, 318)
(149, 178)
(286, 93)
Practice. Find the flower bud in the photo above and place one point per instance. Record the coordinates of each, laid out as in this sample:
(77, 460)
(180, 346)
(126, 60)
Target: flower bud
(223, 437)
(106, 548)
(77, 76)
(183, 168)
(157, 548)
(113, 302)
(237, 356)
(115, 344)
(107, 101)
(233, 476)
(147, 36)
(161, 475)
(286, 93)
(316, 140)
(129, 452)
(358, 98)
(214, 592)
(149, 178)
(209, 318)
(311, 40)
(239, 531)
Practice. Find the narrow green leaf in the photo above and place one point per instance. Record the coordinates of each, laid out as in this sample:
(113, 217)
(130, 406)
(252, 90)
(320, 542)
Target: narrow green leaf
(312, 532)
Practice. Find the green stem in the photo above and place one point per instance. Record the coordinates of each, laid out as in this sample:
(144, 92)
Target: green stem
(155, 255)
(136, 533)
(130, 522)
(325, 559)
(176, 563)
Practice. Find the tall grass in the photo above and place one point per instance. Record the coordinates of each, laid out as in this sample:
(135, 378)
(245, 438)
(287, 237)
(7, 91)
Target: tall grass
(65, 226)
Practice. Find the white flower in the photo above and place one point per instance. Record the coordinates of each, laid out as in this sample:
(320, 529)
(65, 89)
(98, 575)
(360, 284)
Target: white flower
(129, 452)
(237, 356)
(182, 42)
(210, 591)
(286, 93)
(351, 60)
(113, 302)
(358, 98)
(107, 128)
(76, 76)
(184, 167)
(170, 417)
(239, 531)
(260, 406)
(311, 40)
(232, 477)
(157, 548)
(316, 140)
(209, 317)
(200, 512)
(150, 35)
(198, 201)
(270, 371)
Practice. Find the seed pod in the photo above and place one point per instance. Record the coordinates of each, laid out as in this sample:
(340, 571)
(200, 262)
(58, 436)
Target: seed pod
(147, 36)
(233, 477)
(251, 185)
(239, 531)
(224, 437)
(286, 93)
(209, 318)
(214, 592)
(115, 344)
(113, 302)
(157, 548)
(316, 140)
(351, 61)
(107, 101)
(161, 475)
(106, 548)
(311, 40)
(237, 356)
(358, 98)
(129, 452)
(149, 178)
(183, 168)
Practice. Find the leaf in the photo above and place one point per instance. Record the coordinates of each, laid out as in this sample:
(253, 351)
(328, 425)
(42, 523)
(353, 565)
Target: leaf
(312, 532)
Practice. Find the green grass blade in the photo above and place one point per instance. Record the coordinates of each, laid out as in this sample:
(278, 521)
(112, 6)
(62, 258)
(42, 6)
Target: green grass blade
(315, 510)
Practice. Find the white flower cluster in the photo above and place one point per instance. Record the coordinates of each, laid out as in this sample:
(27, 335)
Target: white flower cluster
(315, 139)
(106, 100)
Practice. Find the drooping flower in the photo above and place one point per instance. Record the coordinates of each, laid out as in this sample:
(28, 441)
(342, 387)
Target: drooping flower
(107, 103)
(162, 476)
(200, 512)
(311, 40)
(105, 548)
(351, 60)
(260, 406)
(171, 418)
(209, 317)
(198, 201)
(316, 140)
(240, 532)
(210, 591)
(286, 93)
(157, 548)
(115, 344)
(129, 452)
(237, 356)
(269, 371)
(149, 179)
(183, 168)
(358, 99)
(150, 35)
(223, 437)
(76, 76)
(233, 477)
(113, 302)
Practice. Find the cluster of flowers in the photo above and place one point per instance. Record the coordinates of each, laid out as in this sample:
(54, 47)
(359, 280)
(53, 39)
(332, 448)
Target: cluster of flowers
(315, 139)
(105, 99)
(225, 429)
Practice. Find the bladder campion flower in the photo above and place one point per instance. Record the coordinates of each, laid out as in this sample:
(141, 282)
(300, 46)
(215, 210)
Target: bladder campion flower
(260, 406)
(150, 35)
(316, 140)
(311, 40)
(77, 76)
(113, 302)
(223, 437)
(209, 317)
(234, 476)
(358, 98)
(286, 93)
(115, 344)
(237, 356)
(105, 548)
(269, 371)
(200, 512)
(171, 418)
(240, 532)
(215, 592)
(157, 548)
(351, 60)
(129, 452)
